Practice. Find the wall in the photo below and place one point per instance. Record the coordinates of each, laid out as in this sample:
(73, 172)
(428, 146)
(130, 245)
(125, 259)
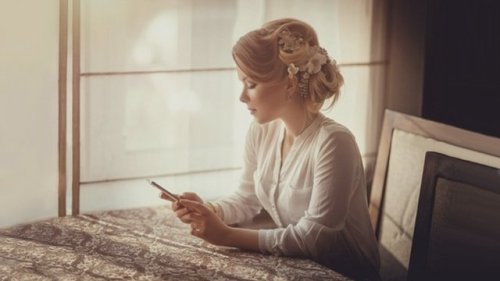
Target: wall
(28, 110)
(406, 49)
(444, 62)
(462, 65)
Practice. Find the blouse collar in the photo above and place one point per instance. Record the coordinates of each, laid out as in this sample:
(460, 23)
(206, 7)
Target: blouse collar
(307, 131)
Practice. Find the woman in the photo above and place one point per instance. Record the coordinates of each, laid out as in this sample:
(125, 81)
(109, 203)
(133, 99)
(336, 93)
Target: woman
(303, 168)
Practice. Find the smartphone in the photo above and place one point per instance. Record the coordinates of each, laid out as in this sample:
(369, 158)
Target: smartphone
(171, 196)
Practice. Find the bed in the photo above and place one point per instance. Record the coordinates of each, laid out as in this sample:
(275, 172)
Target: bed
(135, 244)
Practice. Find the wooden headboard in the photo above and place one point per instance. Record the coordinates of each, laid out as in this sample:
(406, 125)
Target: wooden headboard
(457, 229)
(396, 184)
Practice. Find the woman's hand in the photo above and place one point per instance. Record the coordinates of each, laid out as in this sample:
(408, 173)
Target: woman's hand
(180, 211)
(205, 224)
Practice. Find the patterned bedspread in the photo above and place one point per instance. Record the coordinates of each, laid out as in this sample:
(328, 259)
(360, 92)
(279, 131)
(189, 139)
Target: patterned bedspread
(135, 244)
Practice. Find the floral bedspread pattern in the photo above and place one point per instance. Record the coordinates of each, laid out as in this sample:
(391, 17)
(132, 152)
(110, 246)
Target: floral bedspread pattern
(135, 244)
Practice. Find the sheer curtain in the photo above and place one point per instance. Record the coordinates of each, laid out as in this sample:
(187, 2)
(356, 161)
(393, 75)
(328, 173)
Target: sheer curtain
(159, 87)
(160, 92)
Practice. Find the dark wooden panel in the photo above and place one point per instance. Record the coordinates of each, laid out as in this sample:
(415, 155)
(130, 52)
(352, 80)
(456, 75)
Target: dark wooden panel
(457, 230)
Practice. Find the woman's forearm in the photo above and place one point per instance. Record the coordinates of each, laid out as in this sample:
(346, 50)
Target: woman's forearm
(243, 238)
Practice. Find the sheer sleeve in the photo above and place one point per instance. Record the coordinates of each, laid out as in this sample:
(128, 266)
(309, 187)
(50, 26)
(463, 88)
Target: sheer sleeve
(243, 204)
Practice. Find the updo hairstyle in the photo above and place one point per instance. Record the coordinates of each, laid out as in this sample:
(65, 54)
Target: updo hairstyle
(259, 55)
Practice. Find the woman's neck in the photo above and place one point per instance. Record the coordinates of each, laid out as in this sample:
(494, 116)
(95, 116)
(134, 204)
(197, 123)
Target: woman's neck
(296, 124)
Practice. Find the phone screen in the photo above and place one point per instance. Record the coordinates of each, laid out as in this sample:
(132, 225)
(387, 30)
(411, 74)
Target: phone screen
(172, 196)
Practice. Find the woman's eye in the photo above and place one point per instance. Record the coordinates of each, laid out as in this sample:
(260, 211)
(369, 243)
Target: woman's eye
(251, 85)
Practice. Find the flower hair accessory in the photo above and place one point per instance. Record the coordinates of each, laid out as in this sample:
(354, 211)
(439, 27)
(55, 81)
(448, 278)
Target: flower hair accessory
(290, 42)
(316, 57)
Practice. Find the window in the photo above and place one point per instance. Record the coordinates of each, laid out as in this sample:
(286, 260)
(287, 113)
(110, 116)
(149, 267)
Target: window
(159, 91)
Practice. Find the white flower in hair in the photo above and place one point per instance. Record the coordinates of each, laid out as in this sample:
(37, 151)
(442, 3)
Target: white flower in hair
(290, 42)
(316, 60)
(292, 70)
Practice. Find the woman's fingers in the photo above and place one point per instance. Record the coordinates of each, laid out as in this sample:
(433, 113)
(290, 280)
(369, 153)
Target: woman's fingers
(162, 196)
(186, 195)
(165, 197)
(197, 224)
(181, 212)
(196, 218)
(191, 196)
(195, 206)
(184, 215)
(176, 206)
(205, 224)
(190, 211)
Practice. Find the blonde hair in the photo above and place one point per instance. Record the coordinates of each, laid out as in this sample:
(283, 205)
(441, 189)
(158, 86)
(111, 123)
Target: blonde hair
(259, 56)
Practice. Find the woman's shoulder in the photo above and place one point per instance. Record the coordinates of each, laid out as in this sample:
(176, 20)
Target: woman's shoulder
(334, 135)
(330, 128)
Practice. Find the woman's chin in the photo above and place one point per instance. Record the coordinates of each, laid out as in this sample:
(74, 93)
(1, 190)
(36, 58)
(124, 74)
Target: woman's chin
(261, 120)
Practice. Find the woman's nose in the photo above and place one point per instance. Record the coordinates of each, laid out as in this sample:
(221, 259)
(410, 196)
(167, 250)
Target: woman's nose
(244, 96)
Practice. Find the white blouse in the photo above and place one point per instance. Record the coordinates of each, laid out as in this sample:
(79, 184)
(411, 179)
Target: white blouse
(317, 198)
